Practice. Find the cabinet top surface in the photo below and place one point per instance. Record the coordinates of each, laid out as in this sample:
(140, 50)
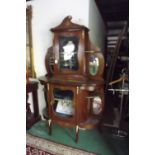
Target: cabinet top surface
(45, 79)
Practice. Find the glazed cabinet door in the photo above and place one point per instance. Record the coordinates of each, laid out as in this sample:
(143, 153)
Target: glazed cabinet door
(63, 103)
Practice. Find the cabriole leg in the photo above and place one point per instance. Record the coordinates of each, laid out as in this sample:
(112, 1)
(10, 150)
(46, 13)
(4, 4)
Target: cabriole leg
(77, 133)
(50, 126)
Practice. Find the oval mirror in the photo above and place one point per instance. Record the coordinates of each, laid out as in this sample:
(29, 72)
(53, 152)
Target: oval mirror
(93, 64)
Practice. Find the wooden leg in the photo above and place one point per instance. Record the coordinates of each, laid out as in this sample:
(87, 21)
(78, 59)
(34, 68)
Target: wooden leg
(77, 133)
(50, 126)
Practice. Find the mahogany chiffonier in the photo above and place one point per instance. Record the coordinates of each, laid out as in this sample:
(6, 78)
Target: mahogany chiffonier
(74, 87)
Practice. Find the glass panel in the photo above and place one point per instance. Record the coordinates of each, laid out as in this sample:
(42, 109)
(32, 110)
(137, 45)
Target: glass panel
(63, 103)
(68, 50)
(93, 64)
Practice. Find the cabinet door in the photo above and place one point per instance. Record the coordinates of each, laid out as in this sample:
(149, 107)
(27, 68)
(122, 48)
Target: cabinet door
(69, 50)
(63, 103)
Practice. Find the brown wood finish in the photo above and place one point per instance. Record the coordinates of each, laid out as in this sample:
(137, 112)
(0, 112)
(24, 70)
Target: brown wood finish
(84, 86)
(31, 118)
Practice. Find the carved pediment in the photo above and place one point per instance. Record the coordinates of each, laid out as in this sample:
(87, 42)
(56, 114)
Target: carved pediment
(67, 25)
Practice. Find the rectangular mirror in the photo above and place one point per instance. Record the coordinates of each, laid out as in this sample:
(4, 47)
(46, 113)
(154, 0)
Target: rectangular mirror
(68, 52)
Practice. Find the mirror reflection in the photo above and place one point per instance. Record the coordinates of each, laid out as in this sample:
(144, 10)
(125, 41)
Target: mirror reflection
(68, 47)
(69, 50)
(93, 64)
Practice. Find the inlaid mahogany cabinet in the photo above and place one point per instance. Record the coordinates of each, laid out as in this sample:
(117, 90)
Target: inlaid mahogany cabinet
(73, 84)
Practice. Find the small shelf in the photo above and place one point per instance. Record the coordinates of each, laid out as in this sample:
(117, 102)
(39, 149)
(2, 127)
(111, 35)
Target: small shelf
(62, 110)
(90, 123)
(63, 115)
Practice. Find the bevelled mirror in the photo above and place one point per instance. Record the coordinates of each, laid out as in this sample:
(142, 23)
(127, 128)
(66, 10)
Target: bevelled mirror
(68, 50)
(93, 64)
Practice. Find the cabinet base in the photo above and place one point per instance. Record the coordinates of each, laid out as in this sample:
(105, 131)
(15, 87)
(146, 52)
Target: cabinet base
(89, 123)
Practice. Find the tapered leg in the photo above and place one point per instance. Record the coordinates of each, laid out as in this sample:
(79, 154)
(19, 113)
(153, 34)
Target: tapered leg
(50, 126)
(77, 133)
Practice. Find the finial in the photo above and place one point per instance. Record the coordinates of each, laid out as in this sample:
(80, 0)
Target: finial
(69, 17)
